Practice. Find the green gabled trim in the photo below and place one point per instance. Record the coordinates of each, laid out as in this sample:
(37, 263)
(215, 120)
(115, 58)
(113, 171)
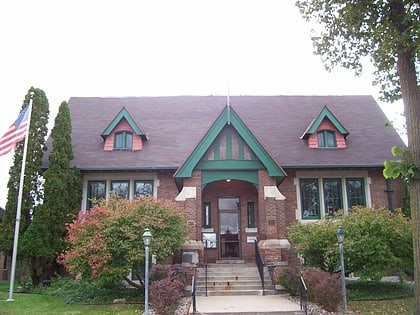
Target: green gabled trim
(229, 165)
(213, 176)
(325, 113)
(123, 114)
(228, 143)
(226, 116)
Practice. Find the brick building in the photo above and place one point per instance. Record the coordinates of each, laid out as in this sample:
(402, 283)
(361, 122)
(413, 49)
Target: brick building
(242, 171)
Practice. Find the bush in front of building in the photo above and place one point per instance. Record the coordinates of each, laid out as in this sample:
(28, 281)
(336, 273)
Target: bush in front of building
(166, 288)
(376, 242)
(323, 287)
(106, 242)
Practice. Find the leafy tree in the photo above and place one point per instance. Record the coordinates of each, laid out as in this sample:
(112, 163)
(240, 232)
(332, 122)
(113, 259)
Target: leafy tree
(44, 239)
(106, 241)
(32, 194)
(376, 241)
(388, 31)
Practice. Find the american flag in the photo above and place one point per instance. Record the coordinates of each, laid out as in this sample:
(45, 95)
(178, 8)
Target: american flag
(15, 133)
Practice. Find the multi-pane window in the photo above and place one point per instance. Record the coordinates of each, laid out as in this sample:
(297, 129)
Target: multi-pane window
(251, 214)
(207, 215)
(96, 191)
(326, 139)
(123, 140)
(309, 194)
(121, 188)
(143, 188)
(332, 195)
(317, 203)
(355, 192)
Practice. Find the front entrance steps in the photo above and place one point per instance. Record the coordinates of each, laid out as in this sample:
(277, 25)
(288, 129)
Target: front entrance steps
(233, 278)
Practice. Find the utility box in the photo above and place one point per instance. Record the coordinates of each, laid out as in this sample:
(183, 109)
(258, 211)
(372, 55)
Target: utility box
(189, 258)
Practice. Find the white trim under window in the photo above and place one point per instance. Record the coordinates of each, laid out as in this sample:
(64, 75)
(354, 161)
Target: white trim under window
(318, 178)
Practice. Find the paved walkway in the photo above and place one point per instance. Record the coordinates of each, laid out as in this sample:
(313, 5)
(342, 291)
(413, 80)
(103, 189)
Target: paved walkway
(245, 304)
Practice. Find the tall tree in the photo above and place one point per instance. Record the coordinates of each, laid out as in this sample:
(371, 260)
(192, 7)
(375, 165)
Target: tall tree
(44, 239)
(32, 194)
(388, 31)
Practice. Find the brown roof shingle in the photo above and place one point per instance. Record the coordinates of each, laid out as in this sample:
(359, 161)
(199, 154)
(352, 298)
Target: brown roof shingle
(176, 124)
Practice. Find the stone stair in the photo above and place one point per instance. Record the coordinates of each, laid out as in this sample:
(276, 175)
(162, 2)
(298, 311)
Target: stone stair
(232, 279)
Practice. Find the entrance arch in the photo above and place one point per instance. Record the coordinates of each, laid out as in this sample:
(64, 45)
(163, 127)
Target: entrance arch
(229, 208)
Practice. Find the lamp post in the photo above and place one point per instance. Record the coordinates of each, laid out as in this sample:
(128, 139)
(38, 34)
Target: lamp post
(147, 238)
(340, 237)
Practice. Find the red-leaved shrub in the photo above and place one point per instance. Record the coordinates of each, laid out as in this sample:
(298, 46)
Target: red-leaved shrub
(166, 289)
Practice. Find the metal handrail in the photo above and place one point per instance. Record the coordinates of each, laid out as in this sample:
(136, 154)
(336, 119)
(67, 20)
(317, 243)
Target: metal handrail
(260, 265)
(303, 290)
(194, 300)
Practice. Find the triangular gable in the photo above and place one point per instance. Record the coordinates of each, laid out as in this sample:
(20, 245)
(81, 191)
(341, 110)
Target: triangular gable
(314, 125)
(229, 117)
(124, 114)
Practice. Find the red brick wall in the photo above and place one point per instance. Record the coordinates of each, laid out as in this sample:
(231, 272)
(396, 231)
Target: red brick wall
(378, 187)
(167, 189)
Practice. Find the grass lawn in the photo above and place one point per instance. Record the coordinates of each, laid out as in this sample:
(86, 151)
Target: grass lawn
(35, 304)
(380, 298)
(396, 306)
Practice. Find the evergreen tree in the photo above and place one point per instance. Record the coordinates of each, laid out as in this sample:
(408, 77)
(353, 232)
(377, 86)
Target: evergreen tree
(32, 194)
(44, 239)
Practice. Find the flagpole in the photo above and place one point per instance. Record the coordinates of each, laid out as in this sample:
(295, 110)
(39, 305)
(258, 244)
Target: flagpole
(19, 205)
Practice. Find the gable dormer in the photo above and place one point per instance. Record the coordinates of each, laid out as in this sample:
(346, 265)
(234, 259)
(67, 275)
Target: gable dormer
(123, 134)
(229, 150)
(326, 132)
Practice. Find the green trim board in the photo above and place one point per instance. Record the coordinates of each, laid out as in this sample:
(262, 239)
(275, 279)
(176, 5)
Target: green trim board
(229, 165)
(325, 113)
(213, 176)
(229, 117)
(123, 114)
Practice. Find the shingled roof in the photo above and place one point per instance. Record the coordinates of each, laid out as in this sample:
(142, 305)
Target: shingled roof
(176, 124)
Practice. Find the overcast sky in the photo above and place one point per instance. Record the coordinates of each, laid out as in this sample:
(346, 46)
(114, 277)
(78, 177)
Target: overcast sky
(149, 48)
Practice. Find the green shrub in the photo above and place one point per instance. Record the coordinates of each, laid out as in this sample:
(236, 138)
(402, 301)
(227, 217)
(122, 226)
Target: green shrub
(91, 292)
(376, 242)
(362, 290)
(289, 279)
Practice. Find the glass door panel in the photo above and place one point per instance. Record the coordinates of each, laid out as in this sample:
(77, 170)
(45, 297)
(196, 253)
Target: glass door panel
(229, 234)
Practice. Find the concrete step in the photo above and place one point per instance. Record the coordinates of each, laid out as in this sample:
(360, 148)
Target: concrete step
(246, 305)
(228, 279)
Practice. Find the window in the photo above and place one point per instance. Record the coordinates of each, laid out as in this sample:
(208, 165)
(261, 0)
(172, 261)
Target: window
(121, 188)
(332, 195)
(326, 139)
(96, 191)
(207, 215)
(143, 188)
(251, 214)
(321, 197)
(123, 140)
(309, 198)
(355, 192)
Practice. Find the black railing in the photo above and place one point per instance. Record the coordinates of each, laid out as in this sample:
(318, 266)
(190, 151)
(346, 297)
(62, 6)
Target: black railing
(194, 300)
(260, 265)
(303, 290)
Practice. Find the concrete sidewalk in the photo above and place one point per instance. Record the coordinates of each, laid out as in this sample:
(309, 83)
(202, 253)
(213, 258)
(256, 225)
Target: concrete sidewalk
(245, 305)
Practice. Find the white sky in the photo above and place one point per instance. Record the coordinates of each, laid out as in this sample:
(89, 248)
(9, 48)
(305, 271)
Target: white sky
(148, 48)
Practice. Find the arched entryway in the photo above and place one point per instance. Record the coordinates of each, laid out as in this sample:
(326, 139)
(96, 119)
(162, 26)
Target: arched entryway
(230, 213)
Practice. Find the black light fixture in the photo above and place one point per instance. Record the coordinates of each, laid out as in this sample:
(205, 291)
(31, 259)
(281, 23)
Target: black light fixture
(340, 237)
(147, 239)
